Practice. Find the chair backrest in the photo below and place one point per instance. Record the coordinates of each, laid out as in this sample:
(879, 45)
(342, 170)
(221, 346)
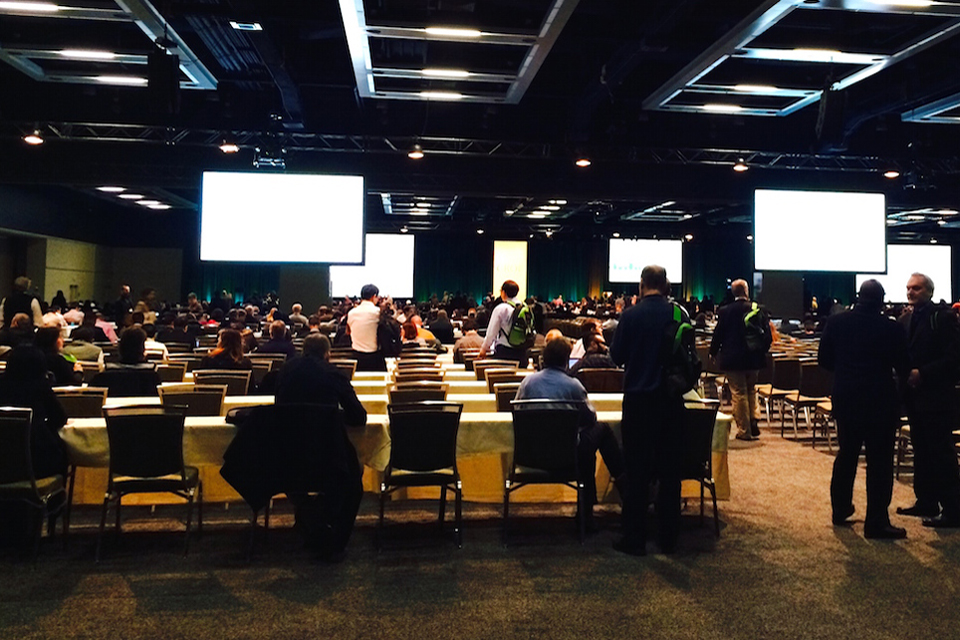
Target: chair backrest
(179, 347)
(207, 341)
(191, 360)
(417, 363)
(237, 381)
(460, 354)
(417, 392)
(506, 393)
(260, 370)
(338, 353)
(469, 357)
(172, 371)
(490, 363)
(545, 436)
(697, 442)
(417, 352)
(128, 383)
(15, 461)
(346, 367)
(423, 435)
(145, 440)
(85, 402)
(90, 369)
(277, 358)
(497, 375)
(815, 381)
(786, 373)
(198, 399)
(412, 375)
(765, 375)
(601, 380)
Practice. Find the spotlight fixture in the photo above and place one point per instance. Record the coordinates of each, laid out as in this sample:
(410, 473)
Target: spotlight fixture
(548, 233)
(688, 237)
(34, 138)
(479, 232)
(891, 175)
(583, 162)
(229, 147)
(933, 241)
(741, 166)
(416, 153)
(616, 234)
(404, 229)
(750, 238)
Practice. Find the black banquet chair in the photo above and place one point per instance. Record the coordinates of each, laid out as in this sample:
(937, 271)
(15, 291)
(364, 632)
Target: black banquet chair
(697, 453)
(423, 453)
(545, 451)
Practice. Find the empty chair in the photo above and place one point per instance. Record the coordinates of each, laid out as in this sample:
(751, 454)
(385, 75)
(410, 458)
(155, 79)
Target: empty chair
(172, 371)
(85, 402)
(460, 355)
(785, 379)
(277, 358)
(469, 357)
(814, 388)
(237, 381)
(90, 370)
(17, 480)
(178, 347)
(197, 399)
(490, 363)
(601, 380)
(417, 392)
(260, 370)
(423, 452)
(505, 393)
(414, 363)
(346, 367)
(417, 352)
(191, 360)
(128, 382)
(497, 375)
(696, 462)
(412, 375)
(146, 456)
(545, 434)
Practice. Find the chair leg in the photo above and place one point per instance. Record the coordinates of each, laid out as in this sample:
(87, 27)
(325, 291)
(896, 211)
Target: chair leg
(701, 502)
(103, 524)
(266, 520)
(253, 533)
(506, 513)
(200, 507)
(458, 509)
(38, 531)
(716, 515)
(582, 508)
(443, 505)
(383, 498)
(186, 544)
(68, 509)
(116, 528)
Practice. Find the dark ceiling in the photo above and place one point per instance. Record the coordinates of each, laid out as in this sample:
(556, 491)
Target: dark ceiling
(663, 96)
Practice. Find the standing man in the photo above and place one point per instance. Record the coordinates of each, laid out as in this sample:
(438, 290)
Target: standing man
(123, 306)
(863, 348)
(499, 327)
(21, 301)
(651, 417)
(933, 339)
(737, 361)
(362, 322)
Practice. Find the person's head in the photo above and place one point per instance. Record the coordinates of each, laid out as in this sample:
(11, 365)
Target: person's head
(168, 319)
(509, 289)
(739, 289)
(554, 334)
(24, 363)
(919, 289)
(369, 292)
(130, 347)
(136, 317)
(231, 343)
(594, 343)
(217, 315)
(556, 354)
(21, 284)
(588, 328)
(470, 325)
(313, 321)
(83, 334)
(48, 339)
(409, 330)
(653, 280)
(871, 294)
(181, 321)
(124, 289)
(441, 315)
(278, 329)
(21, 321)
(296, 308)
(316, 346)
(150, 329)
(191, 297)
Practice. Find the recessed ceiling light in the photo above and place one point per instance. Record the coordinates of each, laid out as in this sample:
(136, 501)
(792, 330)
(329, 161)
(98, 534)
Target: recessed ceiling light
(560, 202)
(441, 95)
(755, 88)
(30, 6)
(446, 73)
(941, 222)
(548, 233)
(479, 232)
(947, 212)
(131, 196)
(686, 216)
(422, 205)
(112, 189)
(722, 108)
(404, 230)
(88, 54)
(124, 80)
(229, 147)
(416, 153)
(549, 207)
(583, 163)
(750, 238)
(148, 203)
(33, 139)
(688, 237)
(453, 32)
(616, 234)
(890, 175)
(159, 206)
(537, 216)
(246, 26)
(933, 241)
(418, 212)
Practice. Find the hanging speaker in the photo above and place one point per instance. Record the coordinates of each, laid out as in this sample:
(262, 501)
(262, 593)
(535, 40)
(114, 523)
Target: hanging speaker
(830, 120)
(163, 82)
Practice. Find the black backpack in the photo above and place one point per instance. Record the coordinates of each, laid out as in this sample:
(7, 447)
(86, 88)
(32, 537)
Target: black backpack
(681, 365)
(757, 329)
(389, 337)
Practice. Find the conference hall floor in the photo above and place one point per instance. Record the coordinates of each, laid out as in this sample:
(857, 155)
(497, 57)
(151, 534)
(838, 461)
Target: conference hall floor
(779, 570)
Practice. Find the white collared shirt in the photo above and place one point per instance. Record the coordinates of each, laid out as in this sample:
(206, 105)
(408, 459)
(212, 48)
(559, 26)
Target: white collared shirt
(363, 321)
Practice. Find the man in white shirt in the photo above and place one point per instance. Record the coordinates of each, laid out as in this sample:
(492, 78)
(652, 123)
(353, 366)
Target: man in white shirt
(499, 326)
(362, 321)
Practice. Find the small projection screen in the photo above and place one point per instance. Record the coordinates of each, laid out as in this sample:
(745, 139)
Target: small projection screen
(820, 231)
(629, 257)
(389, 265)
(281, 217)
(903, 260)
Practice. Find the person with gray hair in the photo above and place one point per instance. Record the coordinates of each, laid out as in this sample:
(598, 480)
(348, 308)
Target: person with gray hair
(21, 301)
(933, 338)
(863, 348)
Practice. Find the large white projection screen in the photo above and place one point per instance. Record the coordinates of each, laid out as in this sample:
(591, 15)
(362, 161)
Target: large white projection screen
(510, 263)
(281, 217)
(819, 231)
(629, 257)
(389, 265)
(903, 260)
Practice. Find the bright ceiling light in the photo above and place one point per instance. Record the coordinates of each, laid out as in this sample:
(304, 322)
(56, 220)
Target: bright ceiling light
(479, 232)
(549, 207)
(741, 166)
(30, 6)
(560, 202)
(904, 3)
(441, 95)
(112, 189)
(148, 203)
(131, 196)
(933, 241)
(583, 163)
(452, 32)
(537, 216)
(941, 222)
(229, 147)
(123, 80)
(688, 237)
(947, 212)
(548, 233)
(616, 234)
(418, 212)
(686, 216)
(422, 205)
(33, 138)
(159, 206)
(750, 238)
(416, 153)
(890, 175)
(755, 88)
(722, 108)
(88, 54)
(446, 73)
(246, 26)
(404, 230)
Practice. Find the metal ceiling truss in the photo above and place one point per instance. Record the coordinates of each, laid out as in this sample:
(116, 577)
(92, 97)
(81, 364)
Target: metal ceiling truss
(943, 111)
(737, 45)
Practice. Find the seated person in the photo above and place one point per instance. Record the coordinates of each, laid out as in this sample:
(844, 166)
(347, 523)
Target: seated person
(279, 342)
(132, 376)
(81, 346)
(410, 339)
(553, 383)
(228, 354)
(296, 315)
(73, 315)
(470, 340)
(587, 328)
(596, 355)
(64, 373)
(442, 328)
(152, 347)
(19, 331)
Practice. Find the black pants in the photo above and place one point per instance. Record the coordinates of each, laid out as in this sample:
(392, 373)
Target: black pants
(598, 437)
(502, 352)
(370, 361)
(936, 479)
(859, 426)
(327, 519)
(651, 434)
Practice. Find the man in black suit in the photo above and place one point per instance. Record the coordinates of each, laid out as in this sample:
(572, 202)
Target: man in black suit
(863, 348)
(729, 348)
(932, 405)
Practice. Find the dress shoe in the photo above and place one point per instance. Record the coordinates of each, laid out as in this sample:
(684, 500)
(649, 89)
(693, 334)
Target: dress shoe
(887, 532)
(918, 511)
(631, 549)
(755, 429)
(747, 437)
(943, 521)
(840, 518)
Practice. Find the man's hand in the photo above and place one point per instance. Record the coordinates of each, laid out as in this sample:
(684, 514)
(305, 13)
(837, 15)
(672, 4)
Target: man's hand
(913, 380)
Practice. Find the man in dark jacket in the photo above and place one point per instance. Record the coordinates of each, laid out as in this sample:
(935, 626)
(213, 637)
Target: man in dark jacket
(863, 348)
(740, 364)
(933, 339)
